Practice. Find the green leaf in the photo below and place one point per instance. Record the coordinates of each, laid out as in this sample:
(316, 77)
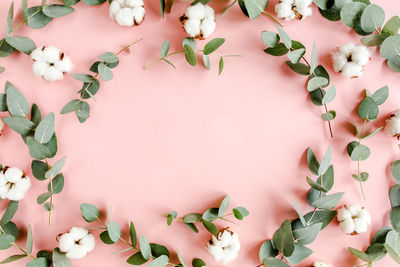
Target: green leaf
(325, 162)
(83, 111)
(136, 259)
(278, 50)
(210, 227)
(82, 77)
(396, 171)
(362, 178)
(37, 19)
(56, 11)
(13, 258)
(43, 198)
(295, 56)
(71, 106)
(3, 103)
(37, 150)
(314, 59)
(360, 152)
(190, 55)
(114, 231)
(198, 263)
(90, 89)
(327, 202)
(394, 195)
(267, 250)
(192, 227)
(192, 218)
(351, 13)
(29, 241)
(145, 247)
(171, 217)
(380, 235)
(10, 19)
(270, 39)
(394, 64)
(6, 241)
(132, 234)
(374, 132)
(220, 65)
(213, 45)
(316, 83)
(12, 229)
(393, 240)
(273, 262)
(59, 259)
(93, 2)
(368, 109)
(21, 125)
(323, 216)
(210, 214)
(328, 116)
(56, 168)
(38, 262)
(39, 169)
(9, 212)
(5, 48)
(308, 234)
(165, 47)
(392, 253)
(329, 96)
(328, 178)
(359, 254)
(105, 72)
(240, 213)
(68, 3)
(300, 253)
(322, 4)
(181, 260)
(312, 161)
(16, 102)
(283, 239)
(381, 95)
(58, 184)
(206, 61)
(255, 7)
(106, 239)
(109, 57)
(36, 116)
(189, 41)
(392, 26)
(299, 68)
(89, 212)
(162, 7)
(22, 44)
(224, 206)
(372, 40)
(45, 130)
(158, 250)
(284, 37)
(159, 262)
(395, 218)
(390, 47)
(315, 186)
(372, 18)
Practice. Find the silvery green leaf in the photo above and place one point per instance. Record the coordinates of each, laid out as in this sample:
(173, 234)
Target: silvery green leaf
(189, 41)
(327, 202)
(190, 55)
(360, 152)
(58, 184)
(198, 263)
(372, 40)
(165, 47)
(316, 83)
(208, 215)
(114, 231)
(396, 171)
(394, 196)
(145, 247)
(381, 95)
(56, 168)
(270, 39)
(210, 227)
(267, 250)
(29, 240)
(330, 95)
(328, 116)
(278, 50)
(360, 254)
(362, 177)
(13, 258)
(10, 19)
(351, 13)
(93, 2)
(192, 218)
(68, 3)
(3, 103)
(45, 130)
(43, 197)
(56, 11)
(299, 68)
(82, 77)
(169, 62)
(394, 63)
(109, 57)
(11, 229)
(224, 206)
(9, 213)
(322, 4)
(89, 89)
(297, 208)
(37, 150)
(372, 18)
(16, 102)
(21, 125)
(314, 58)
(392, 26)
(213, 45)
(274, 262)
(325, 162)
(136, 259)
(38, 262)
(283, 239)
(392, 253)
(89, 212)
(162, 7)
(395, 218)
(71, 106)
(2, 69)
(159, 262)
(295, 56)
(308, 234)
(181, 260)
(284, 37)
(300, 253)
(37, 19)
(171, 217)
(5, 48)
(323, 216)
(315, 185)
(333, 12)
(390, 47)
(105, 72)
(220, 65)
(393, 240)
(6, 241)
(22, 44)
(39, 168)
(59, 259)
(312, 161)
(105, 238)
(254, 8)
(206, 61)
(240, 213)
(192, 227)
(83, 111)
(374, 132)
(327, 179)
(368, 109)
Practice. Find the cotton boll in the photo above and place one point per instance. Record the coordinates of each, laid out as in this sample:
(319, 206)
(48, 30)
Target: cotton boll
(38, 54)
(347, 226)
(196, 12)
(127, 12)
(207, 26)
(347, 49)
(352, 70)
(66, 242)
(284, 11)
(13, 174)
(365, 216)
(360, 55)
(39, 68)
(114, 9)
(51, 54)
(339, 61)
(354, 209)
(13, 184)
(88, 242)
(64, 65)
(138, 14)
(305, 12)
(192, 27)
(125, 17)
(53, 74)
(224, 246)
(209, 12)
(357, 222)
(320, 264)
(360, 226)
(135, 3)
(77, 243)
(76, 252)
(343, 214)
(392, 126)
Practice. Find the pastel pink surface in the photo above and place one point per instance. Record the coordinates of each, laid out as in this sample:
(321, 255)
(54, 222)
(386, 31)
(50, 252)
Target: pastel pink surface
(165, 139)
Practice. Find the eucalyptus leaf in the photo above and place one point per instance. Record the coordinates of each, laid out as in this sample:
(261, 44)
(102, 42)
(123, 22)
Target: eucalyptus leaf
(89, 212)
(213, 45)
(283, 239)
(270, 39)
(372, 18)
(254, 8)
(45, 130)
(284, 37)
(56, 11)
(164, 48)
(190, 55)
(21, 125)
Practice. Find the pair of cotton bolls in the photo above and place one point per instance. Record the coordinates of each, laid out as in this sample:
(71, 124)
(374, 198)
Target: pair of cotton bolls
(199, 21)
(350, 60)
(293, 9)
(50, 63)
(127, 12)
(13, 183)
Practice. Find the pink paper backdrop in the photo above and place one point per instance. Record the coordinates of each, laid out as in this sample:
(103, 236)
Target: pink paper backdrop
(165, 139)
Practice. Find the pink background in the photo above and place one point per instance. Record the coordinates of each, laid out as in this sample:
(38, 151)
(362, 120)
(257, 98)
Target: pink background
(165, 139)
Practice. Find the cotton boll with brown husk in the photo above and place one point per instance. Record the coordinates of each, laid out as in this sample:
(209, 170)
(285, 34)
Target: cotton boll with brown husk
(350, 60)
(127, 12)
(199, 21)
(293, 9)
(392, 126)
(353, 219)
(76, 243)
(13, 183)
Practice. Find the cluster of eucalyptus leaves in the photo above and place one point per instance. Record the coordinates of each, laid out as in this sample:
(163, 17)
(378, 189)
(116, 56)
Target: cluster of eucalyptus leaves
(280, 44)
(155, 255)
(387, 239)
(38, 134)
(368, 110)
(208, 217)
(250, 8)
(189, 49)
(91, 84)
(367, 20)
(288, 242)
(9, 233)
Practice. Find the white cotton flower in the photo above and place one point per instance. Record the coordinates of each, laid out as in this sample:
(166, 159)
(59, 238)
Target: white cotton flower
(392, 127)
(199, 21)
(224, 246)
(127, 12)
(353, 219)
(76, 243)
(320, 264)
(350, 60)
(13, 183)
(50, 63)
(293, 9)
(2, 125)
